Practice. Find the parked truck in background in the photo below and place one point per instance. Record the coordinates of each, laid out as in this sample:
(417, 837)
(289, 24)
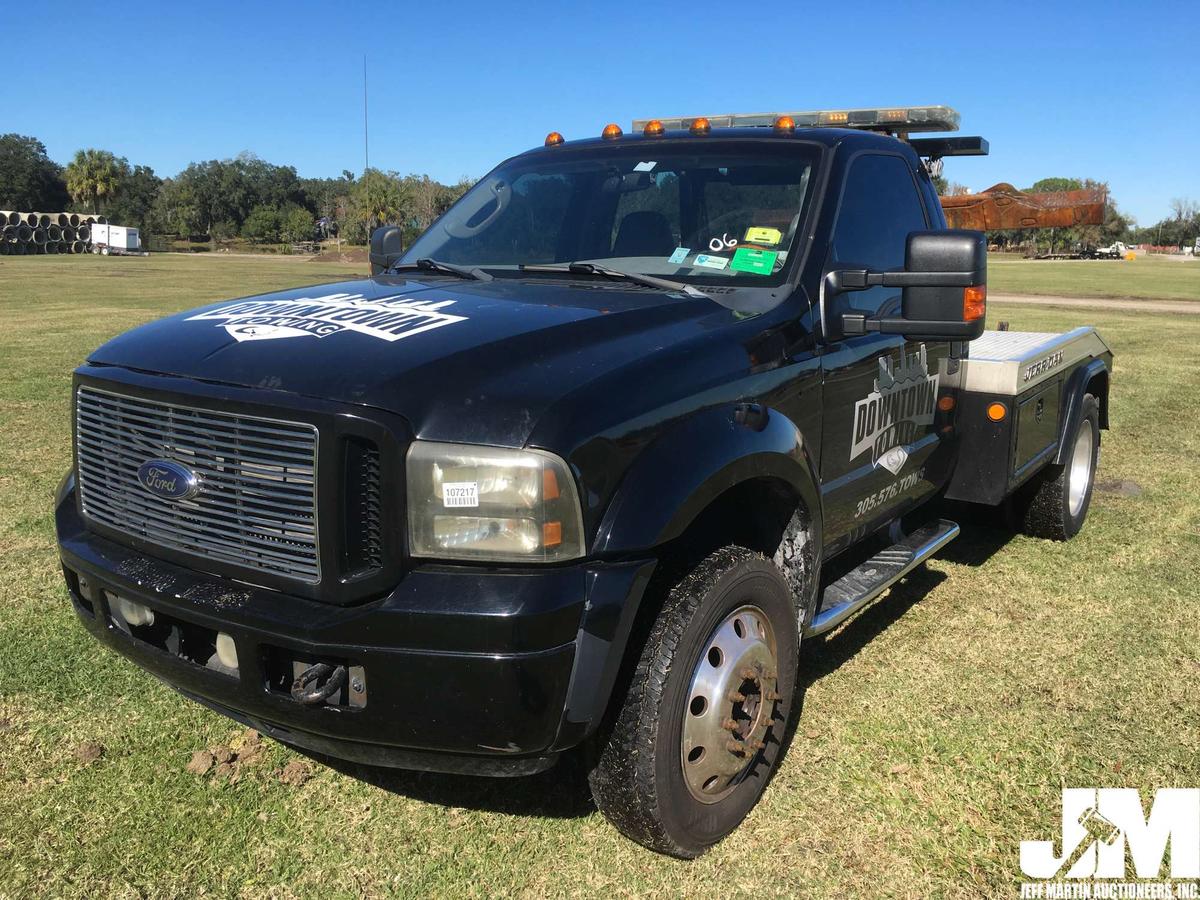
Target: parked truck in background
(585, 468)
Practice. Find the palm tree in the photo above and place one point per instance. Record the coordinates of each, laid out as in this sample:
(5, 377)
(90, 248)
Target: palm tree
(94, 174)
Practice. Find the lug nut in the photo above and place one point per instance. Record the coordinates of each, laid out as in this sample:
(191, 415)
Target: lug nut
(757, 745)
(736, 747)
(749, 673)
(729, 725)
(774, 695)
(736, 696)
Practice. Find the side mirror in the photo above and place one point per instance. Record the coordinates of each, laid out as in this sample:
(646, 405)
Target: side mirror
(387, 246)
(944, 283)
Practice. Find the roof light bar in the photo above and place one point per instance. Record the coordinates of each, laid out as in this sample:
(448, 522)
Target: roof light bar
(905, 119)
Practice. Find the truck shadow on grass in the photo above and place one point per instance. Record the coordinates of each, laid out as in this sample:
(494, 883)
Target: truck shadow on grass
(559, 793)
(563, 792)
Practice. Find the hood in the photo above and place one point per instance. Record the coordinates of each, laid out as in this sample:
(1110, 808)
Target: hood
(462, 361)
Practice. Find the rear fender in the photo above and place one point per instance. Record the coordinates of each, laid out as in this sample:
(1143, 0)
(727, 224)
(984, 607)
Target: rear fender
(1091, 378)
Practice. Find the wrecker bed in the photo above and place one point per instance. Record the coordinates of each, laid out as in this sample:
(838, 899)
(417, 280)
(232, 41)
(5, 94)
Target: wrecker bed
(1019, 391)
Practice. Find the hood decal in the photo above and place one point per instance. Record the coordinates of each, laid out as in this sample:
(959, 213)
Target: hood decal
(386, 318)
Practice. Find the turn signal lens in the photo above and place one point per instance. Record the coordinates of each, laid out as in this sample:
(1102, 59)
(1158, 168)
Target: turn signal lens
(997, 411)
(550, 489)
(785, 123)
(551, 534)
(974, 302)
(654, 128)
(946, 403)
(701, 126)
(553, 139)
(611, 130)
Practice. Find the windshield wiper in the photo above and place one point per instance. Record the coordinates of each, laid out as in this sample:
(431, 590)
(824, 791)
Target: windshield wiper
(433, 265)
(583, 268)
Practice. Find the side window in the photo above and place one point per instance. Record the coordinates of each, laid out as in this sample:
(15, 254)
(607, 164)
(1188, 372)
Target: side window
(880, 206)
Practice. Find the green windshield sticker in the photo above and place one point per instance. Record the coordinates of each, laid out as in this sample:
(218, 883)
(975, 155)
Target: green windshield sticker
(760, 262)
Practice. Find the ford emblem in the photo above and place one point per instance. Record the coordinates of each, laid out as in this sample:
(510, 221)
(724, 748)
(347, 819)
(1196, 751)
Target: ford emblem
(168, 479)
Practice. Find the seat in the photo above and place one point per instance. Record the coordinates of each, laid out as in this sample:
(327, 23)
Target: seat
(644, 233)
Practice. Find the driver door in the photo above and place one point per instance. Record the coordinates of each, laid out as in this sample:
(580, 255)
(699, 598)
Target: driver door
(880, 391)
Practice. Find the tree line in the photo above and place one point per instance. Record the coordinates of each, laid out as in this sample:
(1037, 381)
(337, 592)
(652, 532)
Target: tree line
(219, 200)
(262, 202)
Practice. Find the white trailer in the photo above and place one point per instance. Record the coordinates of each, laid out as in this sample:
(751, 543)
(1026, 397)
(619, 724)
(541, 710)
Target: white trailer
(116, 239)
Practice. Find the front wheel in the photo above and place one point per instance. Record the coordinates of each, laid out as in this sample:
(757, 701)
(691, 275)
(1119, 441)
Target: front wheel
(703, 722)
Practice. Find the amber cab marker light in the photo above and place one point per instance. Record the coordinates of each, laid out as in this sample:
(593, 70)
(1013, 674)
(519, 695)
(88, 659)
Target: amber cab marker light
(997, 411)
(701, 126)
(946, 403)
(553, 139)
(654, 128)
(974, 302)
(785, 123)
(611, 130)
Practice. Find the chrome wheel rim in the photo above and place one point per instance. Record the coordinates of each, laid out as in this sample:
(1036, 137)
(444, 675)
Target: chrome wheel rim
(730, 705)
(1080, 475)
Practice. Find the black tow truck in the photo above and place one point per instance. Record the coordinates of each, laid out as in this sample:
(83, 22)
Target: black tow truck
(582, 467)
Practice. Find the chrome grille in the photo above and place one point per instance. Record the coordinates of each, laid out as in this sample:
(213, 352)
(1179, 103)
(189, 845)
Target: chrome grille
(257, 501)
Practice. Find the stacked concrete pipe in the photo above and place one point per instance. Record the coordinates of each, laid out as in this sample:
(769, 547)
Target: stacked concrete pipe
(30, 233)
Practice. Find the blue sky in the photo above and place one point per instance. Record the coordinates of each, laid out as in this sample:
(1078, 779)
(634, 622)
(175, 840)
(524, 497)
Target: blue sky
(1103, 90)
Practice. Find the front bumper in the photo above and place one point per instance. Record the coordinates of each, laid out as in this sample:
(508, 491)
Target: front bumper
(466, 669)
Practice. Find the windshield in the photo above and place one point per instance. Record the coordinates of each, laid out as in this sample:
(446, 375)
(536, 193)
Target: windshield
(719, 212)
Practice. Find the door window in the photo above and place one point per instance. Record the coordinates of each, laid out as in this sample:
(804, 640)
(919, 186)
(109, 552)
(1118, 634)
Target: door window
(880, 206)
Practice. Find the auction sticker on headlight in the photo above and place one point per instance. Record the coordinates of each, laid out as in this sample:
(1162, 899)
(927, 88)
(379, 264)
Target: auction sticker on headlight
(460, 494)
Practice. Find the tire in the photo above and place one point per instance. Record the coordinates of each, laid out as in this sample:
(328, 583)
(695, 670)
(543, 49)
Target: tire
(104, 251)
(648, 777)
(1055, 504)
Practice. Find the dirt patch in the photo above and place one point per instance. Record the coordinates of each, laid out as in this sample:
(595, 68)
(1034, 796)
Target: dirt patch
(225, 762)
(1128, 304)
(348, 255)
(1120, 488)
(88, 752)
(295, 773)
(201, 762)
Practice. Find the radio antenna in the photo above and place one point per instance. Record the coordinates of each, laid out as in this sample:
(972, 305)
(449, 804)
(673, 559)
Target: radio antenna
(366, 143)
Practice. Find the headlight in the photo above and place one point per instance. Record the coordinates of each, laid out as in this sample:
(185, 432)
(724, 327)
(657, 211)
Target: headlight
(493, 504)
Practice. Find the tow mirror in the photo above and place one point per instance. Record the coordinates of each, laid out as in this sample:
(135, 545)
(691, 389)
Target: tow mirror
(944, 286)
(387, 246)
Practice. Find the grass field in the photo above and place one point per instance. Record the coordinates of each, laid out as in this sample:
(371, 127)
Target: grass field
(1147, 277)
(938, 729)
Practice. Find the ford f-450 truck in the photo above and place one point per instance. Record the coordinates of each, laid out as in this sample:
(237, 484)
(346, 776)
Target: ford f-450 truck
(582, 468)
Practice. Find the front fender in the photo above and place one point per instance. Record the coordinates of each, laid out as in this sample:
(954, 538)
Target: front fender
(703, 456)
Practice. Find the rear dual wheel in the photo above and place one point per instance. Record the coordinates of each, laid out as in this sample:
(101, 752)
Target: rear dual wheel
(703, 723)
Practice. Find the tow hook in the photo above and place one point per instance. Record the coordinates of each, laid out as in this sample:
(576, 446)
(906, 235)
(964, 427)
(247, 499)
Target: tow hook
(318, 683)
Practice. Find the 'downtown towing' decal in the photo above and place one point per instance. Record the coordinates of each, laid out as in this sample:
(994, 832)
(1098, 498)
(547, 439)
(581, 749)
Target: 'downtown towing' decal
(386, 318)
(891, 417)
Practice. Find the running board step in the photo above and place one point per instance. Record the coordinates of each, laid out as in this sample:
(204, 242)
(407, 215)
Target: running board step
(860, 586)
